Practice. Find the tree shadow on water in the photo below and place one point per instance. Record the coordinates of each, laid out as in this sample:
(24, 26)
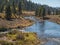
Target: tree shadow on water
(42, 29)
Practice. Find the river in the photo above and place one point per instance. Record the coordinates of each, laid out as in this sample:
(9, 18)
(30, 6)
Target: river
(48, 32)
(45, 30)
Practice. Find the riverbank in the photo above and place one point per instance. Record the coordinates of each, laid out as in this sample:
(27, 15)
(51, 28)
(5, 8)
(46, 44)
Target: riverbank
(15, 23)
(18, 21)
(54, 18)
(19, 38)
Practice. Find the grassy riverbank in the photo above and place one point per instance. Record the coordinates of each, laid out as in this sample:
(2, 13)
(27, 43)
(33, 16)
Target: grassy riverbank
(19, 38)
(54, 18)
(15, 23)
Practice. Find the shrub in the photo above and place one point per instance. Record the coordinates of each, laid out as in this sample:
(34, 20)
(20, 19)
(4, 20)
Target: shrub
(12, 32)
(3, 29)
(20, 37)
(8, 12)
(5, 43)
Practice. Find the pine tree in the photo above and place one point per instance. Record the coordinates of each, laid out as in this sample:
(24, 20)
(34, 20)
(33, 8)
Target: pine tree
(19, 8)
(40, 12)
(8, 12)
(48, 12)
(13, 8)
(44, 13)
(36, 12)
(1, 7)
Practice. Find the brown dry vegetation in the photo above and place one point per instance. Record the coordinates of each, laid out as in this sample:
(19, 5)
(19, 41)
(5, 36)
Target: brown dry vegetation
(24, 13)
(28, 13)
(17, 21)
(54, 18)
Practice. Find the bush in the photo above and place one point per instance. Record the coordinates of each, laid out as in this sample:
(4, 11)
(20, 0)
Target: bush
(3, 29)
(8, 12)
(13, 32)
(20, 37)
(5, 43)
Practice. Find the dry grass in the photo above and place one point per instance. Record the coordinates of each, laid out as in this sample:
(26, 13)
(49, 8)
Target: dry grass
(54, 18)
(15, 23)
(28, 13)
(2, 15)
(21, 38)
(18, 21)
(24, 13)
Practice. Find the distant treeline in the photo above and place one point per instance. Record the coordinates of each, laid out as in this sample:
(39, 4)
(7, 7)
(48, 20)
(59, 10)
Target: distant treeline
(16, 6)
(26, 5)
(46, 10)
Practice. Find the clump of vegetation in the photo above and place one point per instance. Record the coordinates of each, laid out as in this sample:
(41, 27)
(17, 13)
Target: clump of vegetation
(19, 8)
(8, 12)
(5, 43)
(13, 32)
(20, 38)
(3, 29)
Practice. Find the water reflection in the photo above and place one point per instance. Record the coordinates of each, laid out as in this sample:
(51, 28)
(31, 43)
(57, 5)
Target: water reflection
(44, 28)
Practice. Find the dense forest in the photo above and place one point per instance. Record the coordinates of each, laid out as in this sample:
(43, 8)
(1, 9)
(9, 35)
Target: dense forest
(27, 5)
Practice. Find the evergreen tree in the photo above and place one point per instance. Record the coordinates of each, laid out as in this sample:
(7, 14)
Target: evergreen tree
(40, 12)
(13, 8)
(1, 7)
(36, 12)
(49, 12)
(19, 8)
(44, 13)
(8, 12)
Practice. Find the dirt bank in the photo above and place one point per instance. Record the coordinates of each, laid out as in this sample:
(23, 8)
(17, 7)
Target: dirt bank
(15, 23)
(54, 18)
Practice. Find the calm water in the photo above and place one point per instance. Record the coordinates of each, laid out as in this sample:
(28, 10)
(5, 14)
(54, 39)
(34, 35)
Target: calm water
(45, 29)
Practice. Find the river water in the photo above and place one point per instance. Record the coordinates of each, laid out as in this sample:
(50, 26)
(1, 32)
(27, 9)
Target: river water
(45, 30)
